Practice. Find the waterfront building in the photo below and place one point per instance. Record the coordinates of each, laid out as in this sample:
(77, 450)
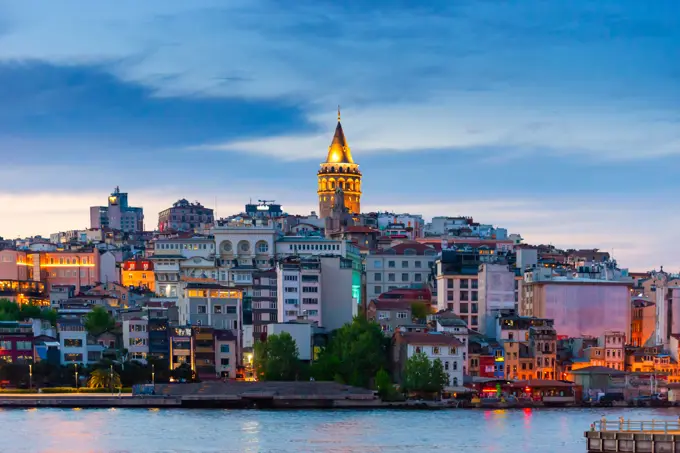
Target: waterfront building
(403, 265)
(339, 172)
(389, 314)
(16, 342)
(452, 324)
(117, 215)
(181, 347)
(587, 301)
(496, 293)
(458, 286)
(159, 340)
(136, 338)
(225, 353)
(204, 352)
(434, 345)
(667, 301)
(23, 292)
(138, 273)
(72, 340)
(185, 216)
(263, 302)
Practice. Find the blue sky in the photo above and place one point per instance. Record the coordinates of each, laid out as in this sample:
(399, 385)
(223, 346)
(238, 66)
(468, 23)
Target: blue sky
(559, 120)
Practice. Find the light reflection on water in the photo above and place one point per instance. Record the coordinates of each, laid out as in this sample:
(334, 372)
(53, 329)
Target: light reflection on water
(212, 431)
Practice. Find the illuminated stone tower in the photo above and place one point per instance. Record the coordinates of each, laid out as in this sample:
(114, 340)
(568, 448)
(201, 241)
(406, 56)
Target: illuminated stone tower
(339, 171)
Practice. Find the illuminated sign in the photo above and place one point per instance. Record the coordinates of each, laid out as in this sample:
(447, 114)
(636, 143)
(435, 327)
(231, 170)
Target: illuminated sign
(138, 266)
(500, 359)
(262, 208)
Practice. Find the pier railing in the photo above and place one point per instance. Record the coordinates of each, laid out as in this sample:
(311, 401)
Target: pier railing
(637, 426)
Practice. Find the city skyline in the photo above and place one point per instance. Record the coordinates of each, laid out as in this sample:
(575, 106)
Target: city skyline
(563, 131)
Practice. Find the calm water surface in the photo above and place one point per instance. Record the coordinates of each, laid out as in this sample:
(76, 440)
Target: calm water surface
(211, 431)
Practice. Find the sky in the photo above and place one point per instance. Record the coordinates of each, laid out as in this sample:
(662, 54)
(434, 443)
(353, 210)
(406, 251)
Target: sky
(557, 120)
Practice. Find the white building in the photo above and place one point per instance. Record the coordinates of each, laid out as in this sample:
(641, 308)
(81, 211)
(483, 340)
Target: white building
(72, 341)
(302, 333)
(451, 324)
(136, 338)
(299, 290)
(310, 245)
(434, 345)
(317, 289)
(243, 246)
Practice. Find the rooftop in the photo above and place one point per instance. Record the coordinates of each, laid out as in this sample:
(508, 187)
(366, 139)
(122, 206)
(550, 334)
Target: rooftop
(428, 338)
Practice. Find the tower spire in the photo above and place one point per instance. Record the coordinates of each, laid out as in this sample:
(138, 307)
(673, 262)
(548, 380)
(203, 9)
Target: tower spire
(338, 113)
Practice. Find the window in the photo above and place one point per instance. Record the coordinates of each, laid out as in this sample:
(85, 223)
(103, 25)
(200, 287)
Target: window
(475, 320)
(435, 350)
(73, 343)
(290, 278)
(449, 283)
(291, 301)
(24, 346)
(310, 301)
(463, 307)
(402, 315)
(452, 351)
(417, 264)
(449, 295)
(418, 350)
(383, 315)
(377, 276)
(404, 277)
(464, 283)
(446, 366)
(224, 348)
(231, 310)
(391, 264)
(310, 289)
(290, 289)
(217, 309)
(464, 295)
(418, 277)
(391, 277)
(377, 289)
(475, 283)
(201, 309)
(404, 264)
(6, 344)
(377, 264)
(511, 336)
(474, 295)
(224, 362)
(73, 357)
(455, 366)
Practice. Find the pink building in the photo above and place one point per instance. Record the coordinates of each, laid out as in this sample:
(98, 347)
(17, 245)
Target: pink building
(51, 268)
(580, 305)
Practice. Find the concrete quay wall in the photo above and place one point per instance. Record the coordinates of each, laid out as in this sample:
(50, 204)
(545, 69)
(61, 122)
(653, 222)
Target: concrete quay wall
(624, 442)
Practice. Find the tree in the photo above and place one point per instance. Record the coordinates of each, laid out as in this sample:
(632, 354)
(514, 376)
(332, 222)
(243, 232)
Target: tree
(384, 384)
(438, 377)
(277, 359)
(419, 311)
(417, 373)
(102, 378)
(99, 321)
(355, 353)
(12, 311)
(423, 375)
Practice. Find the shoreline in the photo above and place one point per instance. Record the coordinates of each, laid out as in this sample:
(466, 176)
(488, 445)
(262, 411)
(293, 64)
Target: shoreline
(84, 401)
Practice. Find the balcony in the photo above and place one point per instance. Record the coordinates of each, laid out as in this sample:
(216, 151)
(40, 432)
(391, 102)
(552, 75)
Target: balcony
(205, 350)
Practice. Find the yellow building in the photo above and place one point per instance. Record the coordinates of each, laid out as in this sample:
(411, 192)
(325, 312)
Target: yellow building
(339, 172)
(138, 273)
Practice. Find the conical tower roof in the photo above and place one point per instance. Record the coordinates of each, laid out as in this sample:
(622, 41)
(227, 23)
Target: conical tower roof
(339, 151)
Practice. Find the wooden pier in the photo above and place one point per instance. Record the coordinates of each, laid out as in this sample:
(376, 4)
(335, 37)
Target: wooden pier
(648, 436)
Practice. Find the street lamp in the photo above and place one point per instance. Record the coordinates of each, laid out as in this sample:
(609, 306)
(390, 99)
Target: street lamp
(111, 379)
(153, 374)
(30, 376)
(76, 377)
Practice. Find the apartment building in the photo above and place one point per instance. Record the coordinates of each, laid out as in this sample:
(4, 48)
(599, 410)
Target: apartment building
(403, 265)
